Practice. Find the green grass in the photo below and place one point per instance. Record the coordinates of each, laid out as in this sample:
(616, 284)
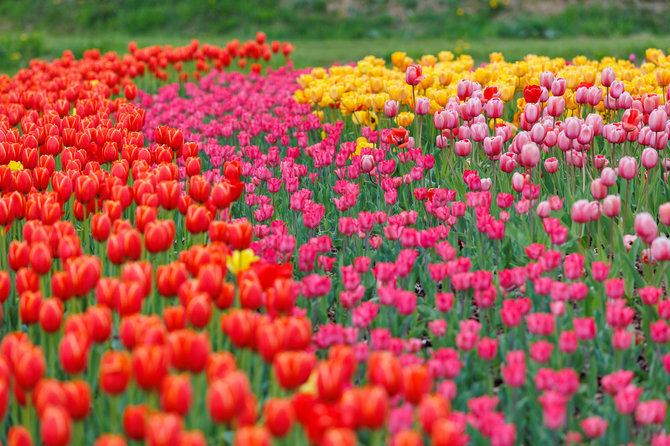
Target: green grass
(327, 52)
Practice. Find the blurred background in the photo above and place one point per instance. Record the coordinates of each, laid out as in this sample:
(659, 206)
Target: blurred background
(328, 31)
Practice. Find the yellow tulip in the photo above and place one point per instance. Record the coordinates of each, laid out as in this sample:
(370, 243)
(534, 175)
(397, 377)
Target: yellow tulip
(319, 73)
(15, 166)
(315, 94)
(336, 92)
(305, 80)
(240, 260)
(300, 97)
(405, 119)
(579, 60)
(445, 56)
(520, 69)
(398, 58)
(350, 102)
(506, 93)
(441, 97)
(376, 84)
(496, 57)
(379, 100)
(428, 60)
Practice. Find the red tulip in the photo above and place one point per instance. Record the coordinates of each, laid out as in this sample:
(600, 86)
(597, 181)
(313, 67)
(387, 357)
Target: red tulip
(78, 395)
(73, 353)
(114, 373)
(252, 436)
(279, 416)
(176, 394)
(28, 365)
(51, 314)
(110, 440)
(134, 421)
(292, 369)
(19, 436)
(150, 363)
(55, 426)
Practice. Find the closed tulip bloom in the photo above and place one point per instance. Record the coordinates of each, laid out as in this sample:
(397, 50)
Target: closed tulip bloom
(384, 370)
(664, 213)
(391, 108)
(51, 314)
(462, 147)
(416, 383)
(660, 249)
(494, 108)
(40, 258)
(78, 397)
(448, 433)
(240, 235)
(279, 416)
(114, 372)
(164, 430)
(581, 211)
(134, 421)
(572, 127)
(627, 167)
(339, 437)
(292, 369)
(252, 436)
(608, 176)
(607, 77)
(413, 74)
(555, 106)
(598, 189)
(594, 427)
(431, 409)
(176, 394)
(110, 440)
(530, 155)
(73, 353)
(422, 106)
(55, 427)
(658, 119)
(224, 399)
(645, 227)
(197, 219)
(28, 365)
(612, 206)
(101, 226)
(150, 363)
(649, 158)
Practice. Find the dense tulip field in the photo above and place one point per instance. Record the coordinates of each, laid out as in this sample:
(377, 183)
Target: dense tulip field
(200, 249)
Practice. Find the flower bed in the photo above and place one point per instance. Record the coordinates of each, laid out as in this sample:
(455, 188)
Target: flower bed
(427, 252)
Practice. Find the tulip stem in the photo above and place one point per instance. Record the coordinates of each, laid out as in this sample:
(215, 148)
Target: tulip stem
(625, 209)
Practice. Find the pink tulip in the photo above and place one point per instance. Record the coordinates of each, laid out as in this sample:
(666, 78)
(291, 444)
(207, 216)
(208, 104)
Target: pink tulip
(422, 106)
(627, 167)
(660, 249)
(413, 74)
(494, 108)
(645, 227)
(558, 86)
(658, 120)
(649, 158)
(391, 108)
(463, 147)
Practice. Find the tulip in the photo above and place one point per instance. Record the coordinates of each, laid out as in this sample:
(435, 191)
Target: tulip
(224, 400)
(279, 417)
(55, 426)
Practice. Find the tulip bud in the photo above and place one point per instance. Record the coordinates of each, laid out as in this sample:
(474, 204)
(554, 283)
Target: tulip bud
(55, 426)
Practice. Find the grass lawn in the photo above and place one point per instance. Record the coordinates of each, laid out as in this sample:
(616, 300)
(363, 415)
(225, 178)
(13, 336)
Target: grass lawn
(326, 52)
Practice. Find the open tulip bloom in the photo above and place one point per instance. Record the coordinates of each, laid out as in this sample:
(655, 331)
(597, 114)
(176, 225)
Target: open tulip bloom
(198, 248)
